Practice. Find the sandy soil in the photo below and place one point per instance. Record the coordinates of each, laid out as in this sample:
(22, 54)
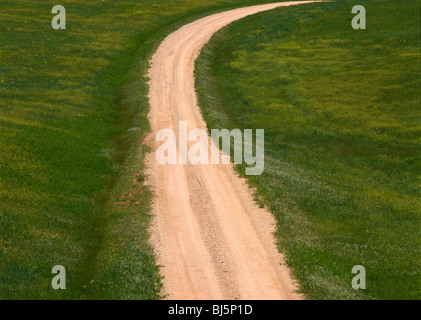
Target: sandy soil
(211, 239)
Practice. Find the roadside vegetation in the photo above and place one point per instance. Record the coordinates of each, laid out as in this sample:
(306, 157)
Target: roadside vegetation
(73, 114)
(341, 113)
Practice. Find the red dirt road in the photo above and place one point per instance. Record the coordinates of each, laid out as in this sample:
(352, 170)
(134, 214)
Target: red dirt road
(210, 237)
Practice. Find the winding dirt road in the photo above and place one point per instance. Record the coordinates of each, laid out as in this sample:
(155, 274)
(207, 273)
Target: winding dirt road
(211, 239)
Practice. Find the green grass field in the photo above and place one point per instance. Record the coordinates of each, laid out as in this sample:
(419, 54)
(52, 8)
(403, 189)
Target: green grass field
(341, 113)
(73, 112)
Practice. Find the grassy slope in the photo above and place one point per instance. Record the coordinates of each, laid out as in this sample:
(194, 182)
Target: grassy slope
(71, 189)
(341, 113)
